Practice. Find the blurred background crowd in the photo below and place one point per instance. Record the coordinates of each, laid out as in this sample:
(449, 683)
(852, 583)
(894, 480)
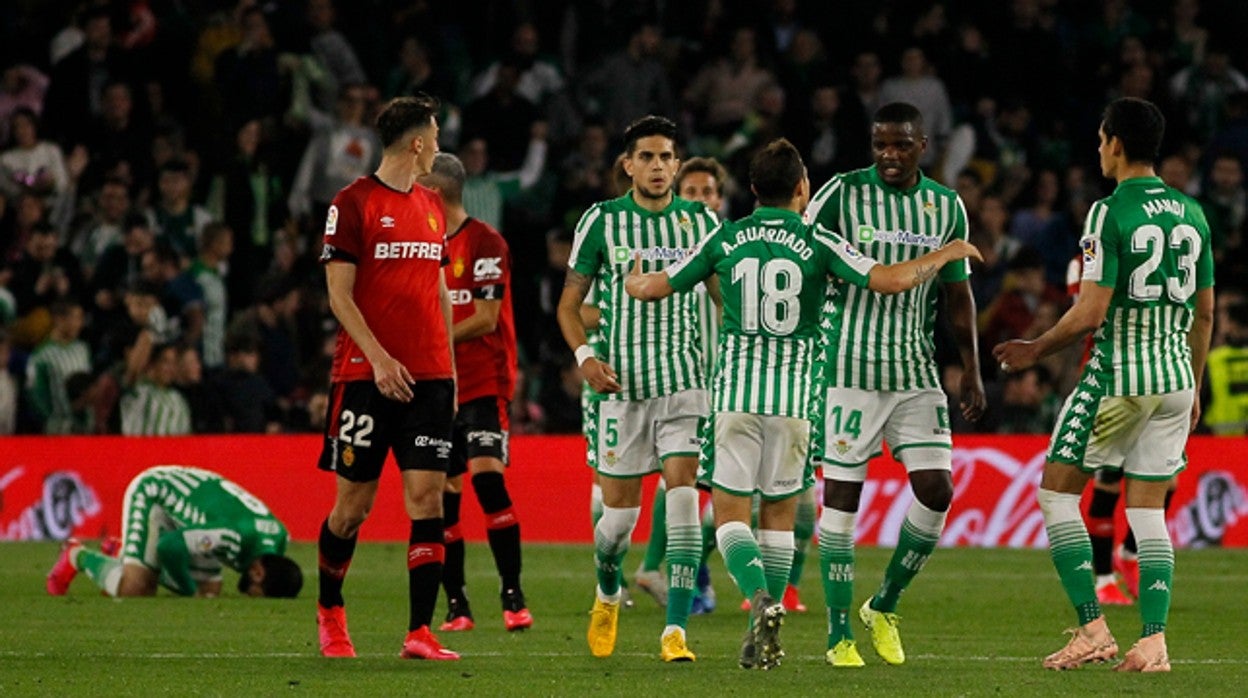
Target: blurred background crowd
(166, 165)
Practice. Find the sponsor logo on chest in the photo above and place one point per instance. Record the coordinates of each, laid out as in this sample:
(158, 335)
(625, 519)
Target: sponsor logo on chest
(408, 250)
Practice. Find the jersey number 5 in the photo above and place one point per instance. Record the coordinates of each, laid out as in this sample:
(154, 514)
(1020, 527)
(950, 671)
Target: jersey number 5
(769, 298)
(1152, 240)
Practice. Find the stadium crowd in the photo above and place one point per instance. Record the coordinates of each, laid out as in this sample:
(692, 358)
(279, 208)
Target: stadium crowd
(166, 167)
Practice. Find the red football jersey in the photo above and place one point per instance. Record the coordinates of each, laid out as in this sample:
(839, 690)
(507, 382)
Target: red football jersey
(397, 242)
(480, 267)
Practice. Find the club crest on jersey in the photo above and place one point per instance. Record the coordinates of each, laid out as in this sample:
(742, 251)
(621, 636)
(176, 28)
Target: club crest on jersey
(685, 222)
(929, 208)
(331, 221)
(433, 222)
(457, 267)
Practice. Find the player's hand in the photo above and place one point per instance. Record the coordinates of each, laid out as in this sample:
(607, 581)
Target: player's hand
(393, 379)
(635, 281)
(961, 249)
(601, 376)
(1016, 355)
(973, 400)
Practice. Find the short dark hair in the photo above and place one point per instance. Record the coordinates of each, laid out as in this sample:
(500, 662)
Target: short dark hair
(709, 166)
(282, 577)
(403, 114)
(646, 126)
(775, 172)
(898, 113)
(133, 220)
(449, 175)
(242, 342)
(212, 232)
(62, 307)
(176, 166)
(1139, 124)
(165, 253)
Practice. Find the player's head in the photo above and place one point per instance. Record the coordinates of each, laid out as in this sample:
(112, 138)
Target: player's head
(408, 127)
(897, 143)
(1131, 131)
(650, 156)
(447, 175)
(778, 176)
(702, 179)
(274, 576)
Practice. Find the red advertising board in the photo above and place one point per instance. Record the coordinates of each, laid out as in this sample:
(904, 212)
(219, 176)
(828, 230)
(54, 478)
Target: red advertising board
(53, 487)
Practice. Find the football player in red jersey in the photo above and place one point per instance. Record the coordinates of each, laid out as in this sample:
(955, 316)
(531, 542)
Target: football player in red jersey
(484, 335)
(393, 375)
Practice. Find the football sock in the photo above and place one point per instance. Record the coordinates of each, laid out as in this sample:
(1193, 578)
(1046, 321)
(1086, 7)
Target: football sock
(803, 529)
(1100, 521)
(453, 542)
(1128, 543)
(708, 532)
(611, 540)
(333, 559)
(595, 504)
(1156, 567)
(425, 555)
(684, 550)
(919, 535)
(657, 545)
(776, 548)
(742, 557)
(836, 567)
(502, 526)
(102, 569)
(1071, 551)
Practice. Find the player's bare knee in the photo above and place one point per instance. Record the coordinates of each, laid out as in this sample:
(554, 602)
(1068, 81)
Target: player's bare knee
(842, 495)
(933, 488)
(423, 503)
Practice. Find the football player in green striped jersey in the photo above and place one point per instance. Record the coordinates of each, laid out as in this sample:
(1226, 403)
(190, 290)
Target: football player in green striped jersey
(647, 375)
(773, 269)
(1147, 292)
(880, 371)
(180, 527)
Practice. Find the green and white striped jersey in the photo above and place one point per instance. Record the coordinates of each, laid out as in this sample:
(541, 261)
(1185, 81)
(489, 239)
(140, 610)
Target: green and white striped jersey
(212, 345)
(150, 410)
(773, 273)
(1151, 244)
(49, 366)
(886, 342)
(654, 347)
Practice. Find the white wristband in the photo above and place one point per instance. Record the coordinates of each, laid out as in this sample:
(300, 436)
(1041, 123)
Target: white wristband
(583, 354)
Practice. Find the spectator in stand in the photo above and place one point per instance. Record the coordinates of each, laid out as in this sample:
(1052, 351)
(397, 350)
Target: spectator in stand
(175, 218)
(119, 144)
(486, 190)
(585, 173)
(104, 228)
(152, 406)
(723, 91)
(539, 78)
(248, 403)
(16, 229)
(21, 86)
(1175, 171)
(918, 84)
(1233, 137)
(35, 165)
(862, 97)
(503, 118)
(1015, 310)
(1023, 403)
(9, 386)
(333, 52)
(75, 94)
(120, 266)
(335, 157)
(630, 83)
(1202, 90)
(45, 273)
(989, 235)
(204, 274)
(200, 396)
(273, 321)
(179, 296)
(248, 77)
(824, 138)
(1044, 225)
(58, 357)
(1226, 204)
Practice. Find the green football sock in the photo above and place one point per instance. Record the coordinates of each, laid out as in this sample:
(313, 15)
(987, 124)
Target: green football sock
(836, 566)
(1071, 550)
(1156, 554)
(776, 548)
(684, 548)
(919, 535)
(102, 569)
(803, 529)
(742, 557)
(611, 540)
(657, 546)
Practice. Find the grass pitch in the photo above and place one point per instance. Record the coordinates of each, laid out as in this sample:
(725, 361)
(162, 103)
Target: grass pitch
(975, 622)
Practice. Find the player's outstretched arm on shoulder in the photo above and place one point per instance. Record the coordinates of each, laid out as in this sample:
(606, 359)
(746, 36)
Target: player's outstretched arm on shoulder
(647, 287)
(903, 276)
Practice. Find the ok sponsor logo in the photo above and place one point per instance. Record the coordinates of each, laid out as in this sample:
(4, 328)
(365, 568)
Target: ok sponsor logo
(487, 268)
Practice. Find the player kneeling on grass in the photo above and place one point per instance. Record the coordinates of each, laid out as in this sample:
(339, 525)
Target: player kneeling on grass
(773, 270)
(180, 527)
